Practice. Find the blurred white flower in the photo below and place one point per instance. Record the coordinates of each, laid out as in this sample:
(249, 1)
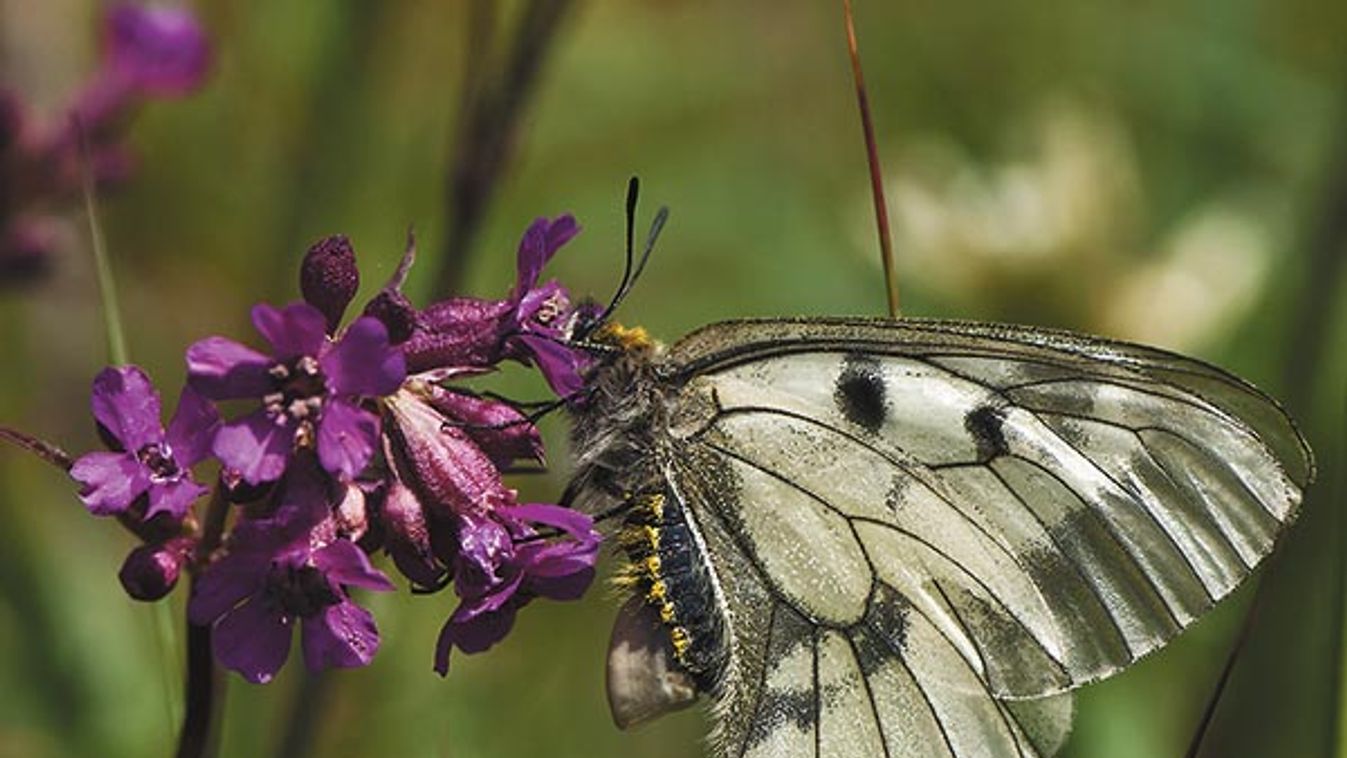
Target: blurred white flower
(1210, 275)
(1057, 235)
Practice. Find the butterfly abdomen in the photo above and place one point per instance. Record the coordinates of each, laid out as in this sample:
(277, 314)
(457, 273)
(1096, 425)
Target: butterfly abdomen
(669, 571)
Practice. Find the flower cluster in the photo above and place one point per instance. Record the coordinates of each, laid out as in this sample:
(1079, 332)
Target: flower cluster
(352, 440)
(148, 52)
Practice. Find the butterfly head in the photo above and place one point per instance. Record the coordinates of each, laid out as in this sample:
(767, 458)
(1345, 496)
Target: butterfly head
(593, 328)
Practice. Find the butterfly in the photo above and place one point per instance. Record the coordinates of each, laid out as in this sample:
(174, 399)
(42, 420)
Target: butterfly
(914, 538)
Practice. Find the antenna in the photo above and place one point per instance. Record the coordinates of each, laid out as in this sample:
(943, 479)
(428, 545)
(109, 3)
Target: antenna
(629, 276)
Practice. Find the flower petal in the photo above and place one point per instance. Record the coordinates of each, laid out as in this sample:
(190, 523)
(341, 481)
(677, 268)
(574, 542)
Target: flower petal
(472, 636)
(125, 403)
(192, 430)
(576, 524)
(363, 363)
(540, 242)
(563, 585)
(347, 436)
(253, 640)
(174, 497)
(485, 547)
(222, 369)
(561, 366)
(112, 481)
(226, 582)
(294, 330)
(345, 563)
(256, 446)
(342, 636)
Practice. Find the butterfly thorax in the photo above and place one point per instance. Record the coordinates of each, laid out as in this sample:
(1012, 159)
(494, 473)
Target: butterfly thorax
(614, 429)
(622, 448)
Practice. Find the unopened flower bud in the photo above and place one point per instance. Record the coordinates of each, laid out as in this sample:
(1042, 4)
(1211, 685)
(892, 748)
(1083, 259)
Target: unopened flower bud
(151, 571)
(448, 471)
(329, 278)
(500, 430)
(408, 535)
(396, 312)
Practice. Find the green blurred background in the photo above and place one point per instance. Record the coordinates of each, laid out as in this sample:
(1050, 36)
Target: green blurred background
(1170, 171)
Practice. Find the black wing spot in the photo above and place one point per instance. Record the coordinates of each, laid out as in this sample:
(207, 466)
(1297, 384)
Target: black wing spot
(860, 393)
(779, 709)
(986, 424)
(897, 493)
(881, 636)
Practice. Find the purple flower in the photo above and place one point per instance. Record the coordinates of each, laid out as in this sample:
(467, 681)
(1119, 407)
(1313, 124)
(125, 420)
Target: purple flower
(288, 569)
(145, 459)
(442, 463)
(461, 331)
(501, 431)
(532, 325)
(504, 563)
(543, 317)
(27, 244)
(310, 389)
(159, 51)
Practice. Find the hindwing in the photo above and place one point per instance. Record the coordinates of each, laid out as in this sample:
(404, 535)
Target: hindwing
(918, 526)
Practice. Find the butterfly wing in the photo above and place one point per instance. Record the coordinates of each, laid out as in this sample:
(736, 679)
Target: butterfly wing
(927, 521)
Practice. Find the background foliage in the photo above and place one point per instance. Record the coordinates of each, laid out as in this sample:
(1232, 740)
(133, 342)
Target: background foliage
(1049, 162)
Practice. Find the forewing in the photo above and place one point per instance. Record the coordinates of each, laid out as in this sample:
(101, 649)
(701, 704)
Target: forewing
(957, 512)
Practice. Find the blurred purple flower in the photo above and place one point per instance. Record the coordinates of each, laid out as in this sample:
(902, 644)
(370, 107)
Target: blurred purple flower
(148, 52)
(310, 389)
(145, 459)
(27, 244)
(504, 564)
(159, 51)
(289, 568)
(532, 325)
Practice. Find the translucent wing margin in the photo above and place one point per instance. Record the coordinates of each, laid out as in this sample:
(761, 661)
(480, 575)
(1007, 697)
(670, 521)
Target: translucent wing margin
(936, 517)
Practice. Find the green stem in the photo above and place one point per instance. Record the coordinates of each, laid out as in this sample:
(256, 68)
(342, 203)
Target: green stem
(107, 288)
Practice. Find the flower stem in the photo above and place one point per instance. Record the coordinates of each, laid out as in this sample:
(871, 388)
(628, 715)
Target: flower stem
(107, 288)
(307, 704)
(203, 703)
(872, 154)
(39, 447)
(203, 683)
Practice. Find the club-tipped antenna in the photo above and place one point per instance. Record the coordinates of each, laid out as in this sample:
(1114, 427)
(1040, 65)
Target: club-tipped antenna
(630, 275)
(633, 192)
(656, 226)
